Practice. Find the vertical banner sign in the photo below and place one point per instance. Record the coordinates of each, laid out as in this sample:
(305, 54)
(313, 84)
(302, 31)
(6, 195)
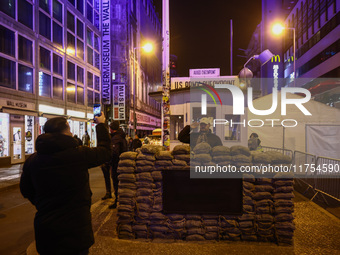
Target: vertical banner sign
(106, 51)
(166, 76)
(118, 102)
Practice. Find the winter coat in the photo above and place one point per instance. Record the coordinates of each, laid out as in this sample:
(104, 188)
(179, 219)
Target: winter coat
(186, 137)
(119, 145)
(56, 180)
(136, 143)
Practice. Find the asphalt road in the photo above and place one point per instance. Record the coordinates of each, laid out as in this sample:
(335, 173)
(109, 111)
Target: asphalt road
(17, 214)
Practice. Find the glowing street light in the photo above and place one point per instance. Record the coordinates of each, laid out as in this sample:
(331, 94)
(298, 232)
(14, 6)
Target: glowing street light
(148, 47)
(277, 29)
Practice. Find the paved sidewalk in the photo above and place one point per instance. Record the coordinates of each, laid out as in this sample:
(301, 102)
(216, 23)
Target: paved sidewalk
(10, 176)
(317, 232)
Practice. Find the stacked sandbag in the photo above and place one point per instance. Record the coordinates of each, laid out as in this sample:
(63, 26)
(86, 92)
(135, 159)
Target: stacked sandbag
(176, 224)
(261, 158)
(159, 226)
(278, 158)
(240, 156)
(126, 194)
(194, 228)
(247, 220)
(181, 154)
(145, 163)
(229, 228)
(263, 196)
(211, 224)
(201, 155)
(284, 208)
(221, 155)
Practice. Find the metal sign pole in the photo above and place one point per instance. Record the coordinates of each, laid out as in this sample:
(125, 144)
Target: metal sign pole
(166, 76)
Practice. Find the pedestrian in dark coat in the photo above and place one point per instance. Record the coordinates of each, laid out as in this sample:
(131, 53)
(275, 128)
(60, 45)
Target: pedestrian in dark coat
(80, 142)
(119, 145)
(136, 143)
(204, 135)
(56, 181)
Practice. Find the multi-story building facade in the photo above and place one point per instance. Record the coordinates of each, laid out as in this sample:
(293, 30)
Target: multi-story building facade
(50, 65)
(317, 31)
(133, 72)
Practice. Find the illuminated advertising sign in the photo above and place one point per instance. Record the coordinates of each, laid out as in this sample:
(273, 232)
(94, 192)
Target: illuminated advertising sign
(106, 51)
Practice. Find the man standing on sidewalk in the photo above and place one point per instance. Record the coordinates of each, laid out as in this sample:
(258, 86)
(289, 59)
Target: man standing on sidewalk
(56, 181)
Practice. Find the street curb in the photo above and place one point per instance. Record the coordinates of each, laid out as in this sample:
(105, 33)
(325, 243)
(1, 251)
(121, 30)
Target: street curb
(10, 186)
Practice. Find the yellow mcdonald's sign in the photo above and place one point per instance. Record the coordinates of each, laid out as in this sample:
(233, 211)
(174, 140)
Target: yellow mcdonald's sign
(276, 58)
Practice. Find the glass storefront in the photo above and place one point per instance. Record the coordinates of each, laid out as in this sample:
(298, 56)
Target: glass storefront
(42, 121)
(4, 134)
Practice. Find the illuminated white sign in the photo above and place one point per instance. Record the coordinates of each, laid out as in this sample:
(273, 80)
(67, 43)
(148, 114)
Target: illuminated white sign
(119, 102)
(206, 72)
(276, 75)
(51, 109)
(76, 113)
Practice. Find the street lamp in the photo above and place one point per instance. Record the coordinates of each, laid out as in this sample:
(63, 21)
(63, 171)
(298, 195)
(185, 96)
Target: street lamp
(264, 57)
(277, 29)
(148, 47)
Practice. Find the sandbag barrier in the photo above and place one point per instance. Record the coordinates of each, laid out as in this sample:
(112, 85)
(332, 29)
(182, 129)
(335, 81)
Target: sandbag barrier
(267, 202)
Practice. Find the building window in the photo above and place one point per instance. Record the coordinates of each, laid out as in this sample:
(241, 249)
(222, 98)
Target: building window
(45, 59)
(25, 13)
(57, 11)
(80, 95)
(89, 37)
(89, 55)
(80, 6)
(71, 92)
(44, 4)
(89, 14)
(90, 98)
(7, 73)
(72, 2)
(57, 88)
(71, 75)
(70, 44)
(80, 29)
(25, 49)
(8, 8)
(89, 80)
(44, 25)
(96, 83)
(57, 65)
(70, 22)
(57, 34)
(44, 84)
(232, 131)
(80, 49)
(80, 75)
(25, 78)
(7, 41)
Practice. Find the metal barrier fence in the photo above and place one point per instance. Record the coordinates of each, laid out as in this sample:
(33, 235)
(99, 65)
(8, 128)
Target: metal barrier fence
(283, 151)
(328, 181)
(320, 182)
(304, 160)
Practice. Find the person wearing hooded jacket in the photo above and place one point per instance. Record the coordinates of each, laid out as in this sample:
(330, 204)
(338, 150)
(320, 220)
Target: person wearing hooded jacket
(55, 179)
(204, 135)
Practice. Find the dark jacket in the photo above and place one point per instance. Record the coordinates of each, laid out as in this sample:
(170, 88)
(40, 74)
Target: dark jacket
(136, 143)
(119, 145)
(56, 180)
(186, 137)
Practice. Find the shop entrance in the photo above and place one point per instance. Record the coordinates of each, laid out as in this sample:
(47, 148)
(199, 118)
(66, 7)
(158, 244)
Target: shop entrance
(17, 137)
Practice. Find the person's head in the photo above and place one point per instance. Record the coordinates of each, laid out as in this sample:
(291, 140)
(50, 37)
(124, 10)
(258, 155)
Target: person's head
(136, 136)
(86, 132)
(75, 136)
(114, 126)
(254, 135)
(204, 125)
(58, 125)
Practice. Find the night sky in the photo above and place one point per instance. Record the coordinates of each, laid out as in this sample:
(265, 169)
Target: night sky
(200, 32)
